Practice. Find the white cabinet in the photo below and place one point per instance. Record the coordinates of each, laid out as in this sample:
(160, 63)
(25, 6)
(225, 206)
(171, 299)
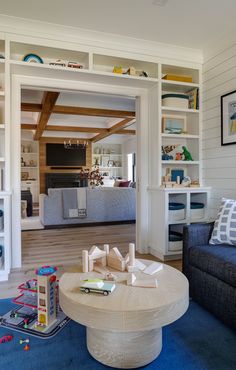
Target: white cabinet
(190, 205)
(5, 238)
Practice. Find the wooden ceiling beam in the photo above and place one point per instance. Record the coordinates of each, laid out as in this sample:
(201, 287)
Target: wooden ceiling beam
(93, 130)
(80, 111)
(76, 129)
(112, 130)
(30, 126)
(48, 103)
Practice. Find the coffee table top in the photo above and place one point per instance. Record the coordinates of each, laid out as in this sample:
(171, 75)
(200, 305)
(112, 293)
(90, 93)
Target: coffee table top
(127, 308)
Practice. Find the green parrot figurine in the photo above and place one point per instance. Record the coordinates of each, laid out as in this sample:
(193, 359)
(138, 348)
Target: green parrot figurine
(187, 155)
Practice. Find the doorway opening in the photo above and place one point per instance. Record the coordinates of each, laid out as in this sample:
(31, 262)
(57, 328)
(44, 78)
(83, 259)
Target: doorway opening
(66, 136)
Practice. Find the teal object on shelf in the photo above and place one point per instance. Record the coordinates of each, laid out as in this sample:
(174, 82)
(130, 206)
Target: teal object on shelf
(172, 95)
(176, 206)
(175, 236)
(196, 205)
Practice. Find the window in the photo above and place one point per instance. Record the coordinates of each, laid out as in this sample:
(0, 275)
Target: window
(42, 302)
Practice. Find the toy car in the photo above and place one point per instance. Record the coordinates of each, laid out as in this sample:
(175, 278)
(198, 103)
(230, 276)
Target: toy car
(74, 65)
(97, 286)
(58, 63)
(6, 338)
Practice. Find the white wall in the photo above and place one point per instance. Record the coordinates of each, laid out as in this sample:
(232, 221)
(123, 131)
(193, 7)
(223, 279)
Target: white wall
(129, 146)
(219, 162)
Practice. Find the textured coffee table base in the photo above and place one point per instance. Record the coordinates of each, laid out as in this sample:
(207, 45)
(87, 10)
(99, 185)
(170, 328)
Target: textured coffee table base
(124, 350)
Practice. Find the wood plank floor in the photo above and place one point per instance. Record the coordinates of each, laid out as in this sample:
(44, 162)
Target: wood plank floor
(63, 248)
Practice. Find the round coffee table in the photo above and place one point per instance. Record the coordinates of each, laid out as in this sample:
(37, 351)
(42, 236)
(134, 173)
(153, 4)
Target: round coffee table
(124, 329)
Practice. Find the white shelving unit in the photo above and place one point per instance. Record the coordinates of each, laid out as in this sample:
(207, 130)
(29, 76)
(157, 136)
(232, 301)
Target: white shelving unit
(5, 194)
(30, 170)
(192, 135)
(98, 61)
(109, 159)
(161, 223)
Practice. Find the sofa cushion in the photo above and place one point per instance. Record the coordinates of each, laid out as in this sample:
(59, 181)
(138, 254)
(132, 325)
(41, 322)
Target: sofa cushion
(224, 231)
(124, 184)
(218, 260)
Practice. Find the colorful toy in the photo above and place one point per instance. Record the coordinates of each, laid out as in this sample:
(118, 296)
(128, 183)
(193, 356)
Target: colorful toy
(117, 69)
(97, 286)
(32, 58)
(24, 341)
(26, 347)
(75, 65)
(38, 312)
(58, 63)
(187, 155)
(6, 338)
(47, 295)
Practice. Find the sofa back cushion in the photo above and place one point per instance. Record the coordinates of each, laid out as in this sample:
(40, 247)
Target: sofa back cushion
(224, 231)
(124, 184)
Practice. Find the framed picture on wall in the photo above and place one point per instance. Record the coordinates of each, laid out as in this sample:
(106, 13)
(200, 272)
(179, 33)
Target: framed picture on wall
(228, 118)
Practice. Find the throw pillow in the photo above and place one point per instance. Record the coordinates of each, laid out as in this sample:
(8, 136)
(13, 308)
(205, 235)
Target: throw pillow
(224, 231)
(117, 183)
(124, 184)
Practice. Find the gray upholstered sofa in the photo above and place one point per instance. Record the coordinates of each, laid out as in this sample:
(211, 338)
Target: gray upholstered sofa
(111, 204)
(211, 271)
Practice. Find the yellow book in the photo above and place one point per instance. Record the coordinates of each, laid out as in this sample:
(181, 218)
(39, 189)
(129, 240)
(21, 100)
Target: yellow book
(180, 78)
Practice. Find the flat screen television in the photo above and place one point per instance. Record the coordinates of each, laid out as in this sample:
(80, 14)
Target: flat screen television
(58, 155)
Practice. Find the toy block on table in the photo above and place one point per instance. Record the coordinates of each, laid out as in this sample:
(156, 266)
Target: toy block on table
(115, 260)
(153, 268)
(139, 282)
(140, 265)
(99, 268)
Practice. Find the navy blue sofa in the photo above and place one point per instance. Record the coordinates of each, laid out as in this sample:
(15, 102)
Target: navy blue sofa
(211, 271)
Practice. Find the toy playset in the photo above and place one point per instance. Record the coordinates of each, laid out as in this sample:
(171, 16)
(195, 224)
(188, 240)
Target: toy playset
(102, 261)
(38, 312)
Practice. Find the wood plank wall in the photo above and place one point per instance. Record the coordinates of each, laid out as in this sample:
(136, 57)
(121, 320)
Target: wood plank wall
(43, 169)
(219, 162)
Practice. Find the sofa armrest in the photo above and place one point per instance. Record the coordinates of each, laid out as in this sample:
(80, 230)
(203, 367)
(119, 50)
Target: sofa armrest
(195, 235)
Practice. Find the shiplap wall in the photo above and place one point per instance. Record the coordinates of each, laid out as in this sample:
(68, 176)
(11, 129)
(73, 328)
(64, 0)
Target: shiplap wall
(219, 162)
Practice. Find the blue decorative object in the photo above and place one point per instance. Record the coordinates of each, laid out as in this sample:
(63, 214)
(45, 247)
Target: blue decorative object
(176, 206)
(32, 58)
(46, 271)
(175, 174)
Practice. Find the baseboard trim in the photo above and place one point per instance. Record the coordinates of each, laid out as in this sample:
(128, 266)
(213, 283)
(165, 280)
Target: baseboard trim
(89, 224)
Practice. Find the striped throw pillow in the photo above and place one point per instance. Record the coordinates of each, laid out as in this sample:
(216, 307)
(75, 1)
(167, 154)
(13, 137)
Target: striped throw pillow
(224, 231)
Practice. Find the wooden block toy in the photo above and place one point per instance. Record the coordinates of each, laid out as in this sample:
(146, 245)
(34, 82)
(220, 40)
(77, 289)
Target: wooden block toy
(99, 268)
(153, 268)
(117, 69)
(85, 265)
(115, 260)
(143, 283)
(140, 265)
(131, 254)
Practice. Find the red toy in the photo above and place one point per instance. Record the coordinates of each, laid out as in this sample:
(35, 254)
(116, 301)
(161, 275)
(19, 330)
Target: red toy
(6, 338)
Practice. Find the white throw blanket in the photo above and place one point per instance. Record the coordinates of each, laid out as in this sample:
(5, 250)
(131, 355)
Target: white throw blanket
(74, 203)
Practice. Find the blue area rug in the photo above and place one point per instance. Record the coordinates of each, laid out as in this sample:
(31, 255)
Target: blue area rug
(197, 341)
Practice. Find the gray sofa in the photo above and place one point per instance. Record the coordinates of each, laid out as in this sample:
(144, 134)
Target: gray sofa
(111, 204)
(211, 271)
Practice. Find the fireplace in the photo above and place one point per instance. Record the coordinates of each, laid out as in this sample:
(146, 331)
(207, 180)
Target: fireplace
(64, 180)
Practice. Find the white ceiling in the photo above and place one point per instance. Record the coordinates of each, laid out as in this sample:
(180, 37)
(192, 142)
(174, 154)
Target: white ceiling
(190, 23)
(79, 99)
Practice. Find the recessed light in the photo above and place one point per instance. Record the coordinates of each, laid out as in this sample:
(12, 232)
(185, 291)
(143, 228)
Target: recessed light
(159, 2)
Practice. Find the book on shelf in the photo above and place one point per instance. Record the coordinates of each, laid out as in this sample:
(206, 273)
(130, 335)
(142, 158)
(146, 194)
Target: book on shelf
(193, 102)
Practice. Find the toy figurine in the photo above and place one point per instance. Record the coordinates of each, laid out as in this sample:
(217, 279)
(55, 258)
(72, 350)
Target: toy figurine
(178, 156)
(6, 338)
(187, 155)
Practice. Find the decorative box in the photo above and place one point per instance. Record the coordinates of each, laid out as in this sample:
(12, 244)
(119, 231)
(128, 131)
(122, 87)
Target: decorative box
(175, 100)
(175, 241)
(197, 210)
(176, 212)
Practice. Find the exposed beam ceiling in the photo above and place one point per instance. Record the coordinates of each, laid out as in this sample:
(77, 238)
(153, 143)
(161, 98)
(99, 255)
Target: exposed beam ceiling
(81, 111)
(25, 126)
(113, 130)
(48, 103)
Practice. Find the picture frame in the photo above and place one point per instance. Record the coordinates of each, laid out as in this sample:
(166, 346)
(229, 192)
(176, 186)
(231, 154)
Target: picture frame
(228, 118)
(24, 176)
(174, 124)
